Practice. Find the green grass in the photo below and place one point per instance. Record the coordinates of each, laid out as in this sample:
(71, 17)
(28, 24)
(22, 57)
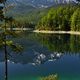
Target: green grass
(50, 77)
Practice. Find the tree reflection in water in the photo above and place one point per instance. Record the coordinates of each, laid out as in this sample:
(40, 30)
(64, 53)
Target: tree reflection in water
(42, 58)
(42, 48)
(39, 48)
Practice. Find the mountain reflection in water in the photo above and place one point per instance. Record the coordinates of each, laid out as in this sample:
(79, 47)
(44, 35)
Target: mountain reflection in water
(50, 53)
(39, 48)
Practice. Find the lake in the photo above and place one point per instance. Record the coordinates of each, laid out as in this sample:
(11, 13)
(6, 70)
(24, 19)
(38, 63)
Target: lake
(43, 55)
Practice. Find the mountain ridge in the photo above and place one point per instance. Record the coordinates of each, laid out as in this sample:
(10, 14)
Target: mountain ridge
(40, 3)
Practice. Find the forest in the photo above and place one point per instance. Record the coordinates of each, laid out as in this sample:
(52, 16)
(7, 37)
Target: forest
(63, 18)
(59, 18)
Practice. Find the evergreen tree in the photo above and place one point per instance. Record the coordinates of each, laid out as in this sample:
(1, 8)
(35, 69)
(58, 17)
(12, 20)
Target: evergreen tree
(5, 42)
(75, 21)
(60, 18)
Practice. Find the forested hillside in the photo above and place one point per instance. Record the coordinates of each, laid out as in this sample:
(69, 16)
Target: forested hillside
(61, 18)
(63, 15)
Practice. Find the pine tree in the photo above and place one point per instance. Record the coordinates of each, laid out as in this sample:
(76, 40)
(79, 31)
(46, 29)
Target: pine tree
(5, 41)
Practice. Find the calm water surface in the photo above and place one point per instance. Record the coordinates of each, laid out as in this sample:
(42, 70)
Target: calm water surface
(43, 54)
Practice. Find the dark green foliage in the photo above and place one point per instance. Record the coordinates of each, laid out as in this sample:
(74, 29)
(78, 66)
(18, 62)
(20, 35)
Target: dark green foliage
(27, 15)
(61, 18)
(75, 20)
(23, 23)
(4, 23)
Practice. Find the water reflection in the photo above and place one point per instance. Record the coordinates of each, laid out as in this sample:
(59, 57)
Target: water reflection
(43, 54)
(60, 43)
(42, 58)
(40, 48)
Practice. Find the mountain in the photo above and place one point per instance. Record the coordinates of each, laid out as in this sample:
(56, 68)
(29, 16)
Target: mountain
(26, 6)
(21, 7)
(33, 8)
(40, 3)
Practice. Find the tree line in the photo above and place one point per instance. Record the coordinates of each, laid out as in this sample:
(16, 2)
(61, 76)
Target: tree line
(61, 17)
(64, 17)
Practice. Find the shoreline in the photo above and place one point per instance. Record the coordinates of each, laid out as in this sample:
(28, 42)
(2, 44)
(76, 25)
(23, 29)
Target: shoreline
(57, 32)
(46, 31)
